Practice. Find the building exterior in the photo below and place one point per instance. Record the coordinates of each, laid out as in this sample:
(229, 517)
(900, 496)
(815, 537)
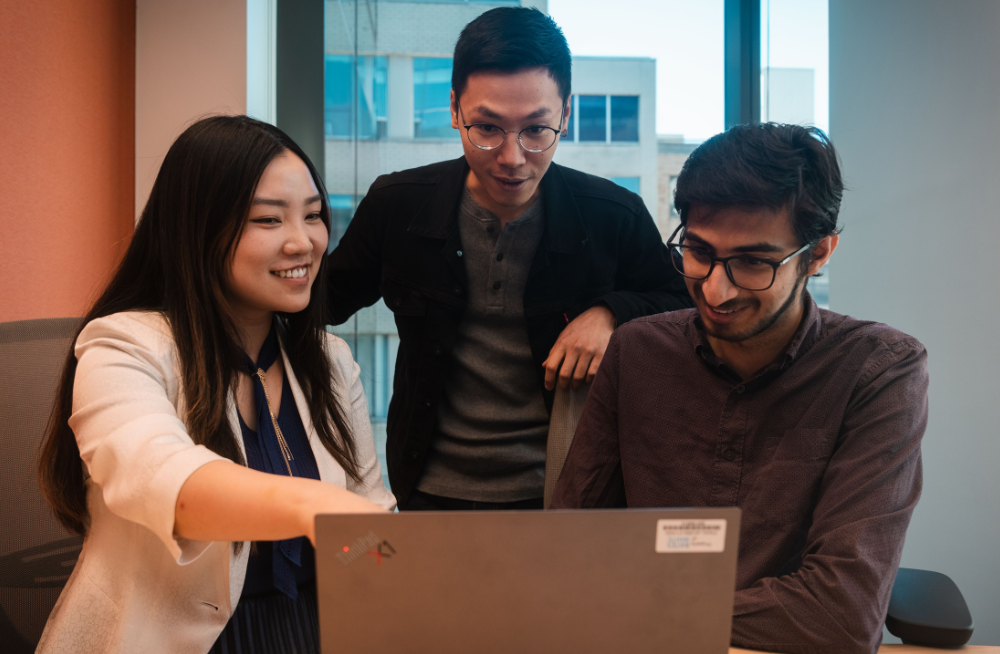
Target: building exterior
(390, 110)
(612, 128)
(671, 153)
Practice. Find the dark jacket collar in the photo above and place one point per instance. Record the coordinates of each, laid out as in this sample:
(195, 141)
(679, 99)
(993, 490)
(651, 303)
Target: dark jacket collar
(564, 229)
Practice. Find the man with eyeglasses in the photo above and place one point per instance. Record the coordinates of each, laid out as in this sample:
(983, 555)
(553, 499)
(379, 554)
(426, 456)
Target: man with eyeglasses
(506, 273)
(807, 420)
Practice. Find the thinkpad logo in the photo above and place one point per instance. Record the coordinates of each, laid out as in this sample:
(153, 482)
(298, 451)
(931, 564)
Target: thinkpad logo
(371, 545)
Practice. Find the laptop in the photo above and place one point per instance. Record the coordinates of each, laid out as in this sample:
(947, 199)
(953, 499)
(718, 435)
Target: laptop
(599, 581)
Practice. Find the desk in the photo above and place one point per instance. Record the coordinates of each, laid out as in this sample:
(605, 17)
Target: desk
(905, 649)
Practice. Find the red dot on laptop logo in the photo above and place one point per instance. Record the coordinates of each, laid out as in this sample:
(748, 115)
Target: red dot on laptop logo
(368, 544)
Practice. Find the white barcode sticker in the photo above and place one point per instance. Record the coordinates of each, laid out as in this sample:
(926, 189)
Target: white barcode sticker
(697, 536)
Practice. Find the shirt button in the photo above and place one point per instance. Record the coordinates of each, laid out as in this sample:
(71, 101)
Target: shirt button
(437, 350)
(397, 302)
(496, 286)
(740, 388)
(728, 455)
(414, 455)
(500, 257)
(427, 404)
(457, 290)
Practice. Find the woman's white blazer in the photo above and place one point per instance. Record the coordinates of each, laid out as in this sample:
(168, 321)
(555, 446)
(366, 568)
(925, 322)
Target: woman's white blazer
(137, 587)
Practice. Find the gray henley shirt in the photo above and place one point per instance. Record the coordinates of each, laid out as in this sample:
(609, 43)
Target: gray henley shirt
(489, 445)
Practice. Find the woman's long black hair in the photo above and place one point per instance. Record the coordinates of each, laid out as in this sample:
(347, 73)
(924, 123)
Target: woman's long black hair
(177, 263)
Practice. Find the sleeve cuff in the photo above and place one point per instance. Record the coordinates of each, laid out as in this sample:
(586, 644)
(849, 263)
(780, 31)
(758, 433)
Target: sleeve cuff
(165, 487)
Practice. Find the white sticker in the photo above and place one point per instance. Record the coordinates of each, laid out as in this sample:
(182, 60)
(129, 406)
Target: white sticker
(690, 536)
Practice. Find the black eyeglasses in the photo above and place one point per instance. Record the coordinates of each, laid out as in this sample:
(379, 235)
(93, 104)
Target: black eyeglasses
(746, 272)
(534, 139)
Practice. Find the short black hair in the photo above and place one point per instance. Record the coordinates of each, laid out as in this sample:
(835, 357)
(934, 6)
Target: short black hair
(509, 39)
(769, 165)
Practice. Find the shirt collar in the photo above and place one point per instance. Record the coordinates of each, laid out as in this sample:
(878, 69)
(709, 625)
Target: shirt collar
(564, 231)
(803, 339)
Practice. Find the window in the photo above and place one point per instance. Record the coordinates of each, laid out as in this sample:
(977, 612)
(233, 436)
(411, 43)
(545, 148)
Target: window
(630, 183)
(592, 118)
(625, 118)
(794, 74)
(604, 119)
(432, 98)
(371, 76)
(341, 211)
(388, 84)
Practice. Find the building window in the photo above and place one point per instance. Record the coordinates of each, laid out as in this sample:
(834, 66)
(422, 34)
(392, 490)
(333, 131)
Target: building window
(341, 211)
(630, 183)
(604, 119)
(371, 76)
(432, 98)
(592, 117)
(625, 118)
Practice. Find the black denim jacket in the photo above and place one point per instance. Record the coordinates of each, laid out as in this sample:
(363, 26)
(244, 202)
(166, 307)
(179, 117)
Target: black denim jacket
(600, 246)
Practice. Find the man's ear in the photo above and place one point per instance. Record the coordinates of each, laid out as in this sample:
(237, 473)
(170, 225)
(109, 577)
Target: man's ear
(568, 111)
(822, 253)
(454, 111)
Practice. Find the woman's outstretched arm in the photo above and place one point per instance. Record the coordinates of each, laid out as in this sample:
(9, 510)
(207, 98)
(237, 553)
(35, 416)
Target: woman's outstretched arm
(225, 501)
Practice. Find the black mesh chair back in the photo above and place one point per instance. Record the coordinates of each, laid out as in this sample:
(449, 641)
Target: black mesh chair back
(36, 553)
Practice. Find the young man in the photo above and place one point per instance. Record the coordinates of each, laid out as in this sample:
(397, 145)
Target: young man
(807, 420)
(505, 273)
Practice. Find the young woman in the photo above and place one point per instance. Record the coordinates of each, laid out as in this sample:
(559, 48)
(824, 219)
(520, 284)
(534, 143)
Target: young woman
(204, 407)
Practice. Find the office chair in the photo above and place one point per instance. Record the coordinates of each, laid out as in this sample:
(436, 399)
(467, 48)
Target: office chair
(36, 553)
(927, 608)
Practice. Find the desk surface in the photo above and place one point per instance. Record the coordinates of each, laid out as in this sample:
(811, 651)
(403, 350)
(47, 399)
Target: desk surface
(906, 649)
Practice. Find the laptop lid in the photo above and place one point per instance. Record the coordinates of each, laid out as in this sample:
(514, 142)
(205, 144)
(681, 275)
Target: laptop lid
(638, 580)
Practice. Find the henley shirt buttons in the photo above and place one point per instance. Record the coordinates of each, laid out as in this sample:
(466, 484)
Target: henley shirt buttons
(728, 454)
(500, 257)
(414, 455)
(496, 286)
(437, 350)
(457, 290)
(740, 388)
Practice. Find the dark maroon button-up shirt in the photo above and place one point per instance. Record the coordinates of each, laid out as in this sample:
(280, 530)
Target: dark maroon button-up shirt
(820, 450)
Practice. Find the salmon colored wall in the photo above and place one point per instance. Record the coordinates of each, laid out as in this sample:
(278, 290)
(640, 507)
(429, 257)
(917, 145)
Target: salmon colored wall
(67, 148)
(190, 62)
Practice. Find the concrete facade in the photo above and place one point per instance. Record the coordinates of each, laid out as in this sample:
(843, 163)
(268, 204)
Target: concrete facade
(628, 76)
(672, 152)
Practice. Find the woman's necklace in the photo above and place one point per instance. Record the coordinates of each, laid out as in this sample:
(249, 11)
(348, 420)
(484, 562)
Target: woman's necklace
(286, 452)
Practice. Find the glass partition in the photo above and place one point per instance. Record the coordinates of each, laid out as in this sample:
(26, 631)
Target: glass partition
(432, 98)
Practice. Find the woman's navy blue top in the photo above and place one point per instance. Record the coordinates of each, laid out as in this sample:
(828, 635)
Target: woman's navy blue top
(272, 614)
(260, 568)
(282, 565)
